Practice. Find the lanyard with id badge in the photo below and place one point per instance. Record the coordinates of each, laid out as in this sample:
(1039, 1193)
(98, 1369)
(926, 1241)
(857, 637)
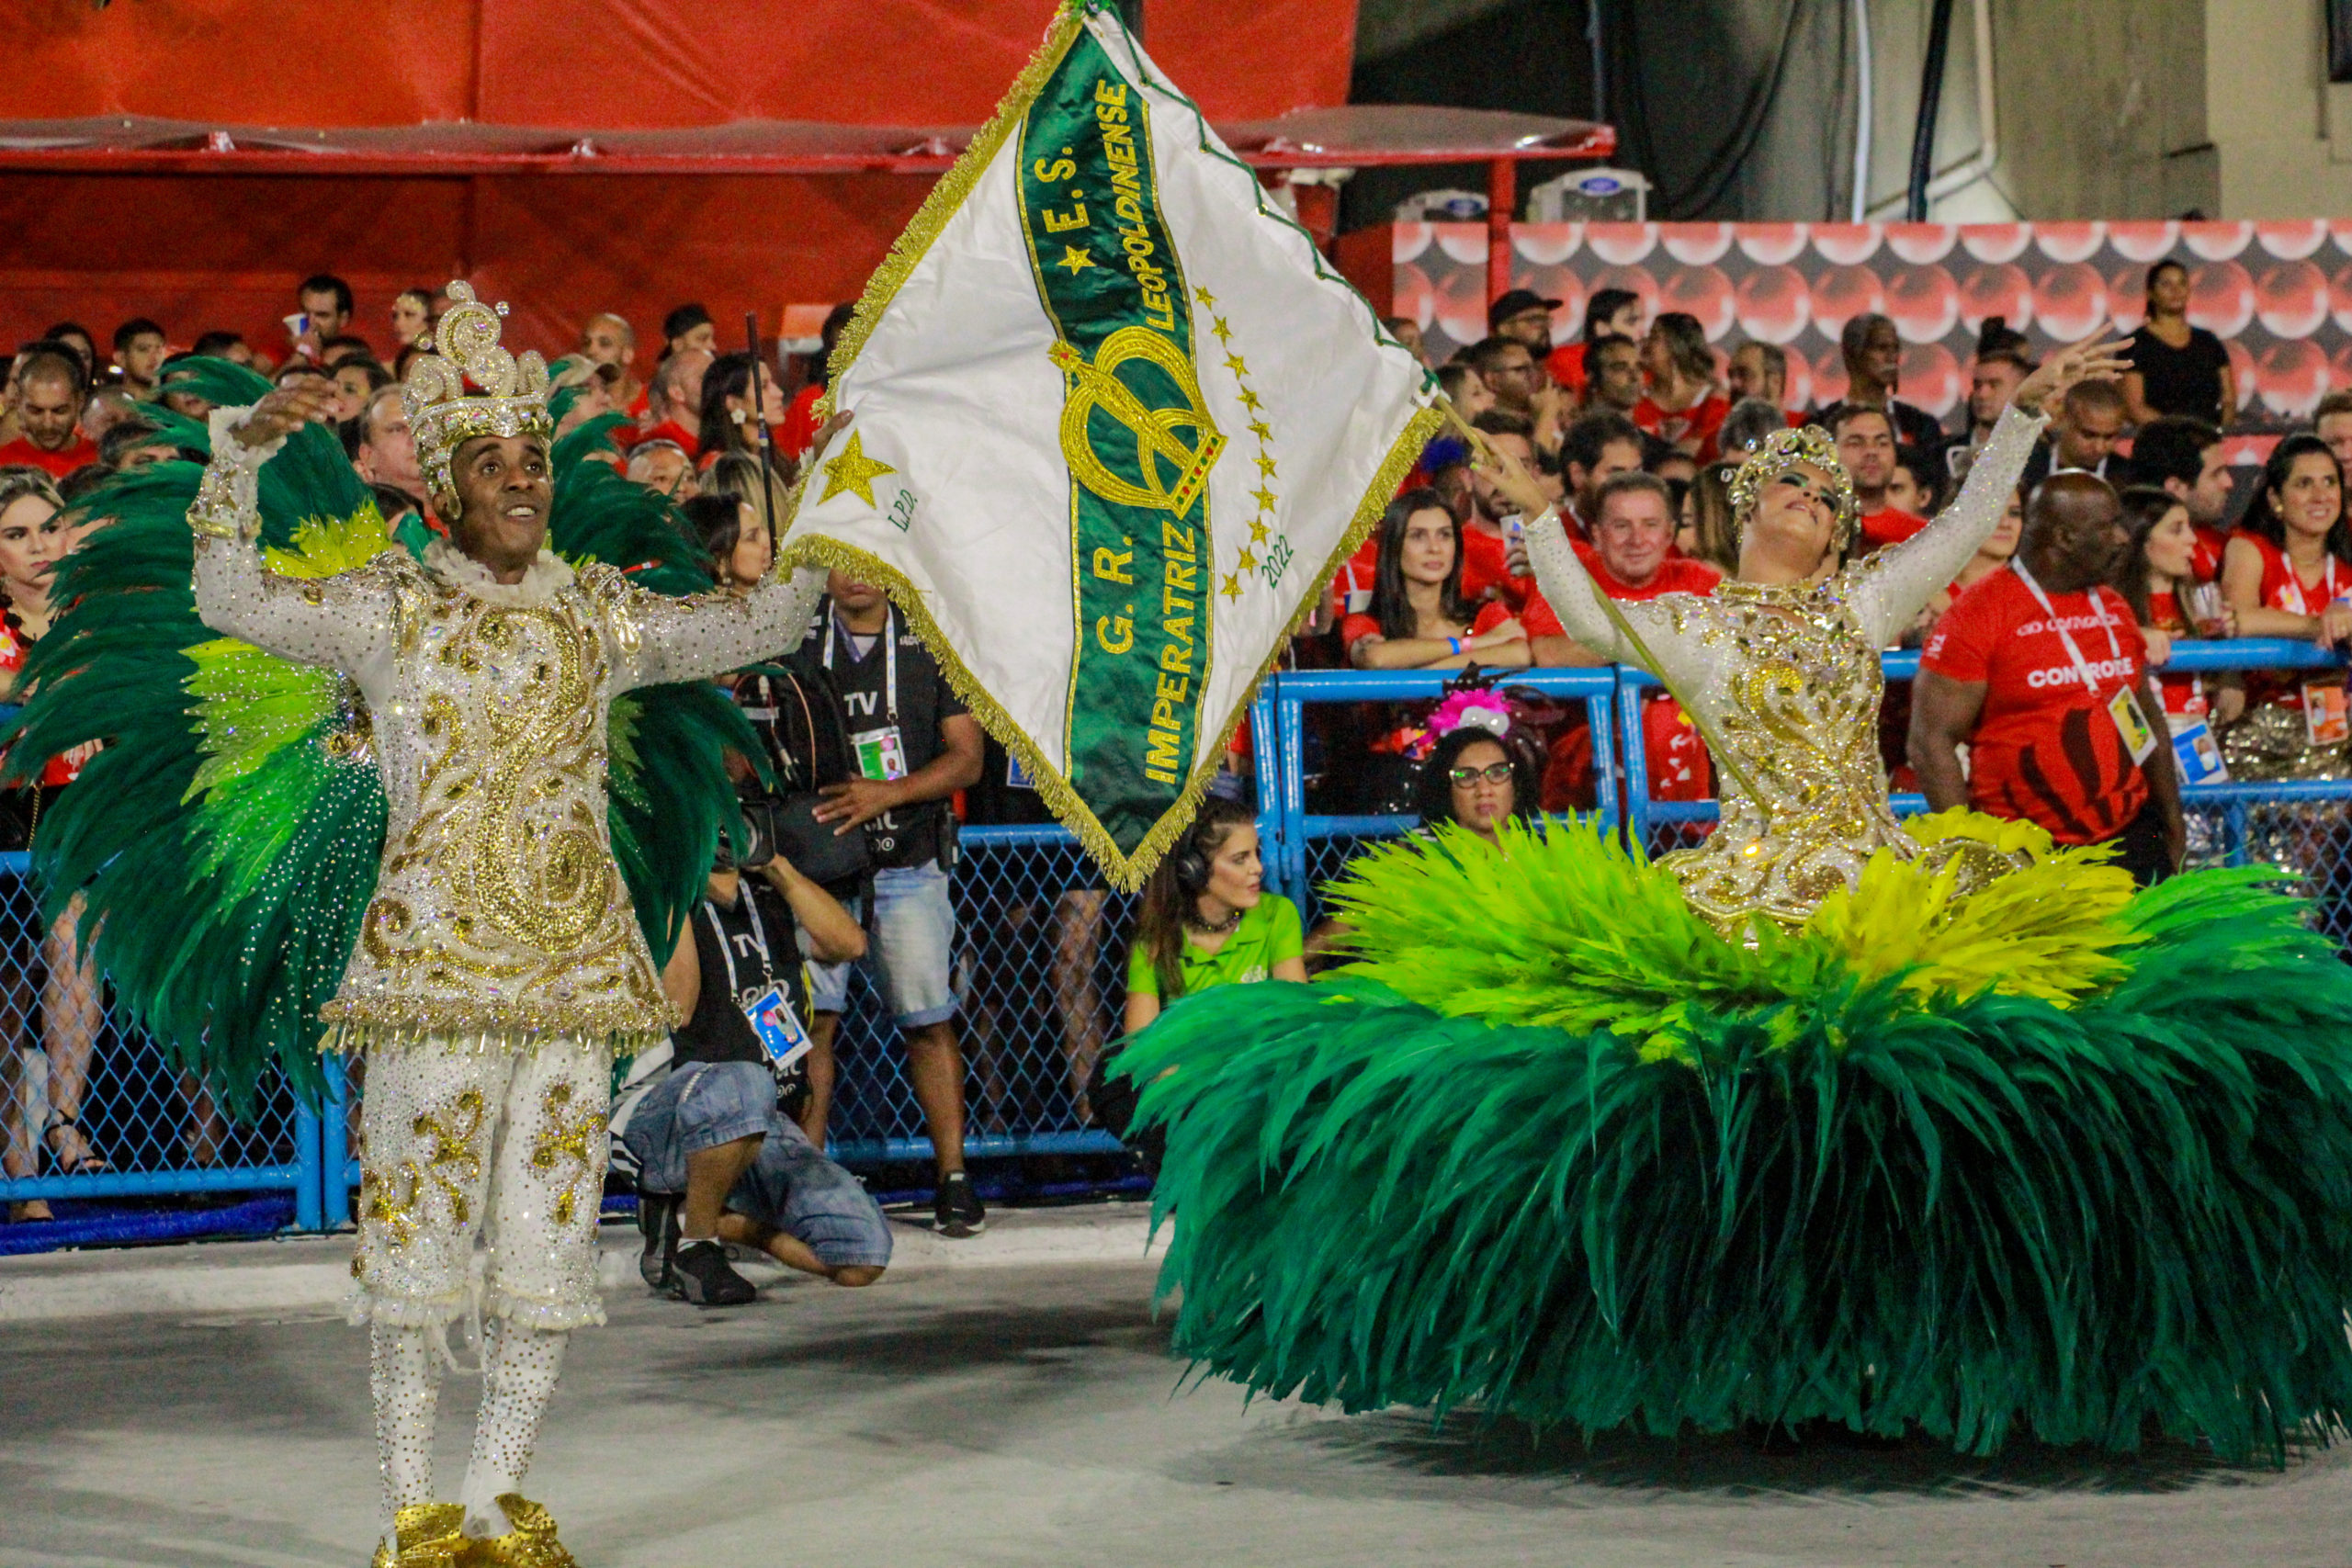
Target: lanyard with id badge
(2327, 707)
(769, 1011)
(2131, 723)
(882, 751)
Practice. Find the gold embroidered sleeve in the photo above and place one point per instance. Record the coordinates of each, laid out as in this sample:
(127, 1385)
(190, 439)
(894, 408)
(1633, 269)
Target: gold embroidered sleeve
(659, 639)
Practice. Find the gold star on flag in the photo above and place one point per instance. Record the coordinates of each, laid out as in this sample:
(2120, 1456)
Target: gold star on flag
(1246, 561)
(1257, 530)
(1233, 363)
(1218, 325)
(853, 471)
(1264, 497)
(1258, 428)
(1075, 258)
(1265, 465)
(1232, 589)
(1205, 297)
(1249, 401)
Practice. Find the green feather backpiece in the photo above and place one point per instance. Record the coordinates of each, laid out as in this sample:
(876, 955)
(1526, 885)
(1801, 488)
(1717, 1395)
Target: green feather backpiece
(1552, 1149)
(227, 837)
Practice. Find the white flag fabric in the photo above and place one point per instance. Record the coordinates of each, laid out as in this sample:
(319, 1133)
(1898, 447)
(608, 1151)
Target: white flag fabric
(1116, 422)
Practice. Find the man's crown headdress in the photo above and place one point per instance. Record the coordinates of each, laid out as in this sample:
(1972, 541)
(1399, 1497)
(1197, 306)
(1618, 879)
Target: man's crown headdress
(1775, 455)
(442, 416)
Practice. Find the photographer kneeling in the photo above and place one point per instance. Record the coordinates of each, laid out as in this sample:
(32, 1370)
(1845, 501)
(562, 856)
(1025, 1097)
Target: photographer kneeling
(719, 1160)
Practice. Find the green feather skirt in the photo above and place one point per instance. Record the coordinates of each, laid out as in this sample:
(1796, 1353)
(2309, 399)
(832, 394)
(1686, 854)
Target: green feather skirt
(1552, 1148)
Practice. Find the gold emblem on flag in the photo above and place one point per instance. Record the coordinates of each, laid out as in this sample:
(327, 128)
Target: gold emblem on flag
(1174, 472)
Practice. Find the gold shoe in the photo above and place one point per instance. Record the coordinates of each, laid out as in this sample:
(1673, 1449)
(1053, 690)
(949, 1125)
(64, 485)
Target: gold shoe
(428, 1538)
(530, 1544)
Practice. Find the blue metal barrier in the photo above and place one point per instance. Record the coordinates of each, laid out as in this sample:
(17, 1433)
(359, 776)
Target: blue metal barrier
(156, 1131)
(1315, 847)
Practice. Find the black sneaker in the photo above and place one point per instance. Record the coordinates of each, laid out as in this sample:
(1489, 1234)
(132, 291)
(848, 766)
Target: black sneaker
(657, 1218)
(956, 1210)
(704, 1276)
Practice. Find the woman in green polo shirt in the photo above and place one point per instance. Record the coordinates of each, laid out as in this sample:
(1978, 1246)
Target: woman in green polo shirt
(1207, 920)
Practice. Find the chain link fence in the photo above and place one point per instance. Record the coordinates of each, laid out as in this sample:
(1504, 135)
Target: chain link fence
(95, 1122)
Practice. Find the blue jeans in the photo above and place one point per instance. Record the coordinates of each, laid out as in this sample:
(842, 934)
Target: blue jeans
(791, 1185)
(911, 952)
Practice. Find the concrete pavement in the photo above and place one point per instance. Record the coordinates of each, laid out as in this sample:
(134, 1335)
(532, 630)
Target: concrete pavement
(1025, 1415)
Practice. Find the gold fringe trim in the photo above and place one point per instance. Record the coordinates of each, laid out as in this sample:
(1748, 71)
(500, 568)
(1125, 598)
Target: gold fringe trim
(1124, 871)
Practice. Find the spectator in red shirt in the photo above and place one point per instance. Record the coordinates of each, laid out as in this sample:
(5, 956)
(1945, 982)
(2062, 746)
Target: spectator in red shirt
(2039, 671)
(673, 403)
(1630, 559)
(1611, 312)
(609, 339)
(1992, 556)
(1597, 448)
(1865, 438)
(728, 423)
(1682, 407)
(51, 387)
(2184, 457)
(1419, 617)
(800, 426)
(1494, 566)
(2288, 572)
(2158, 570)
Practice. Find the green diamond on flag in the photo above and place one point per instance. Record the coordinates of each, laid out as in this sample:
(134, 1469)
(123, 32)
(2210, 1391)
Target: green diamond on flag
(1115, 424)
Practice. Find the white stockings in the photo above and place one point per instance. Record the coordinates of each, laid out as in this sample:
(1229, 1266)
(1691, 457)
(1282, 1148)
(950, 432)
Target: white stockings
(519, 1366)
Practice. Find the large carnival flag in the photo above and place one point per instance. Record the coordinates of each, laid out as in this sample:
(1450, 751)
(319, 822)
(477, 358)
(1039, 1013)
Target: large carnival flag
(1116, 422)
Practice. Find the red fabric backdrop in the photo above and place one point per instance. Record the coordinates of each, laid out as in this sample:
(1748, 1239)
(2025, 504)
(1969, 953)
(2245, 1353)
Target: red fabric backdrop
(199, 252)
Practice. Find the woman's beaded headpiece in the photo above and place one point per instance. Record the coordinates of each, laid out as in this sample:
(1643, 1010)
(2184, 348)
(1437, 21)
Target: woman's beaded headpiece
(1779, 452)
(442, 416)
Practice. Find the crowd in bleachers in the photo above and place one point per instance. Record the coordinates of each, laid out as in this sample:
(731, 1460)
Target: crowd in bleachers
(1634, 427)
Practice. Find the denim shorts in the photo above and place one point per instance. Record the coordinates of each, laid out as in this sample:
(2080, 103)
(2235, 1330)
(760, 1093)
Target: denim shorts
(910, 949)
(791, 1185)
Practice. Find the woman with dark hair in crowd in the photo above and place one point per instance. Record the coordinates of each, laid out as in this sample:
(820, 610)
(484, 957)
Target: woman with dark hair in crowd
(411, 315)
(2157, 579)
(1206, 919)
(1419, 620)
(727, 414)
(1611, 312)
(35, 534)
(1705, 533)
(2286, 573)
(734, 539)
(2176, 368)
(1480, 780)
(1682, 407)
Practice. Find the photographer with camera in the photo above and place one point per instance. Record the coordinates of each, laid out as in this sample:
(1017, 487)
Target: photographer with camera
(719, 1159)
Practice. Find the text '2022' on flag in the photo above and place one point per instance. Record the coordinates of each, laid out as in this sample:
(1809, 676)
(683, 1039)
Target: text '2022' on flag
(1115, 424)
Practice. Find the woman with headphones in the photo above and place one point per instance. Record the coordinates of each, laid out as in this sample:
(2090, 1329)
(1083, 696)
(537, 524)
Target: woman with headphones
(1207, 920)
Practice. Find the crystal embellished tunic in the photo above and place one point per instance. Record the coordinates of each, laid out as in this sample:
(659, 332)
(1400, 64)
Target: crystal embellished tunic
(1788, 678)
(499, 913)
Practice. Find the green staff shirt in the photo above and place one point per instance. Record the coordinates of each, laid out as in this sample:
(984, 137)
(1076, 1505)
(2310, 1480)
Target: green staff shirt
(1267, 934)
